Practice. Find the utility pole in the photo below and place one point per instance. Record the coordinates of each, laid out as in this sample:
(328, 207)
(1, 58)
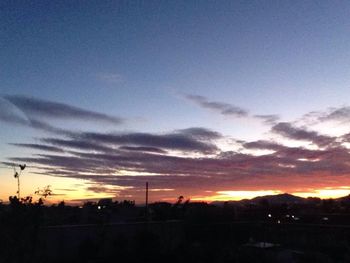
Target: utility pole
(146, 200)
(18, 187)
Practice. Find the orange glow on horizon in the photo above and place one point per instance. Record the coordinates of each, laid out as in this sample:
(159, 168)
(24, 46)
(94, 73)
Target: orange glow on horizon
(76, 191)
(324, 193)
(235, 195)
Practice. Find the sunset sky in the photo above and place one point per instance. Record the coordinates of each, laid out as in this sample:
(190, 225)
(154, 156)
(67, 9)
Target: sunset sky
(212, 100)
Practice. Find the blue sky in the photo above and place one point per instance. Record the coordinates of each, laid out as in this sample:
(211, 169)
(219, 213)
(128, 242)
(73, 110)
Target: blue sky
(139, 60)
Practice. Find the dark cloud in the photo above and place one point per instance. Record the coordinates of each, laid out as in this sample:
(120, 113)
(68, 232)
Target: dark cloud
(123, 162)
(13, 114)
(192, 139)
(263, 145)
(39, 108)
(137, 152)
(222, 171)
(268, 119)
(341, 114)
(10, 113)
(41, 147)
(345, 138)
(337, 114)
(221, 107)
(229, 109)
(201, 133)
(229, 166)
(170, 141)
(39, 125)
(142, 149)
(287, 130)
(282, 151)
(102, 189)
(78, 144)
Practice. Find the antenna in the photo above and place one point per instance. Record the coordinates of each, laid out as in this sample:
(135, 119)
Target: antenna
(17, 176)
(146, 201)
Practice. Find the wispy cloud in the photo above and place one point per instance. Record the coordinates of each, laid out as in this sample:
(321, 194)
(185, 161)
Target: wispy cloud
(190, 161)
(11, 114)
(201, 133)
(142, 149)
(182, 140)
(40, 147)
(77, 144)
(341, 114)
(221, 107)
(37, 108)
(182, 173)
(332, 114)
(40, 125)
(130, 159)
(268, 119)
(227, 109)
(263, 145)
(287, 130)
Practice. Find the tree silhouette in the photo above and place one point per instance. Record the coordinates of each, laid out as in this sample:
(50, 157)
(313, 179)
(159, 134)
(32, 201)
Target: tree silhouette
(44, 192)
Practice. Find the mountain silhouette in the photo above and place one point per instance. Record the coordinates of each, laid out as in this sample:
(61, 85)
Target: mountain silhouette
(279, 199)
(272, 199)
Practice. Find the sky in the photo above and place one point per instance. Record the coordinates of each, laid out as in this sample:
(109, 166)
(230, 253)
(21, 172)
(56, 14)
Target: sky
(211, 100)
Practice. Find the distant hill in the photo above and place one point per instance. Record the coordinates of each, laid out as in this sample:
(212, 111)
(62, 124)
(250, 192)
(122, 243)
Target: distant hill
(272, 199)
(279, 199)
(344, 198)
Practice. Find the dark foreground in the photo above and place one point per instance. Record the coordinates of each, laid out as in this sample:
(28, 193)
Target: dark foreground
(173, 233)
